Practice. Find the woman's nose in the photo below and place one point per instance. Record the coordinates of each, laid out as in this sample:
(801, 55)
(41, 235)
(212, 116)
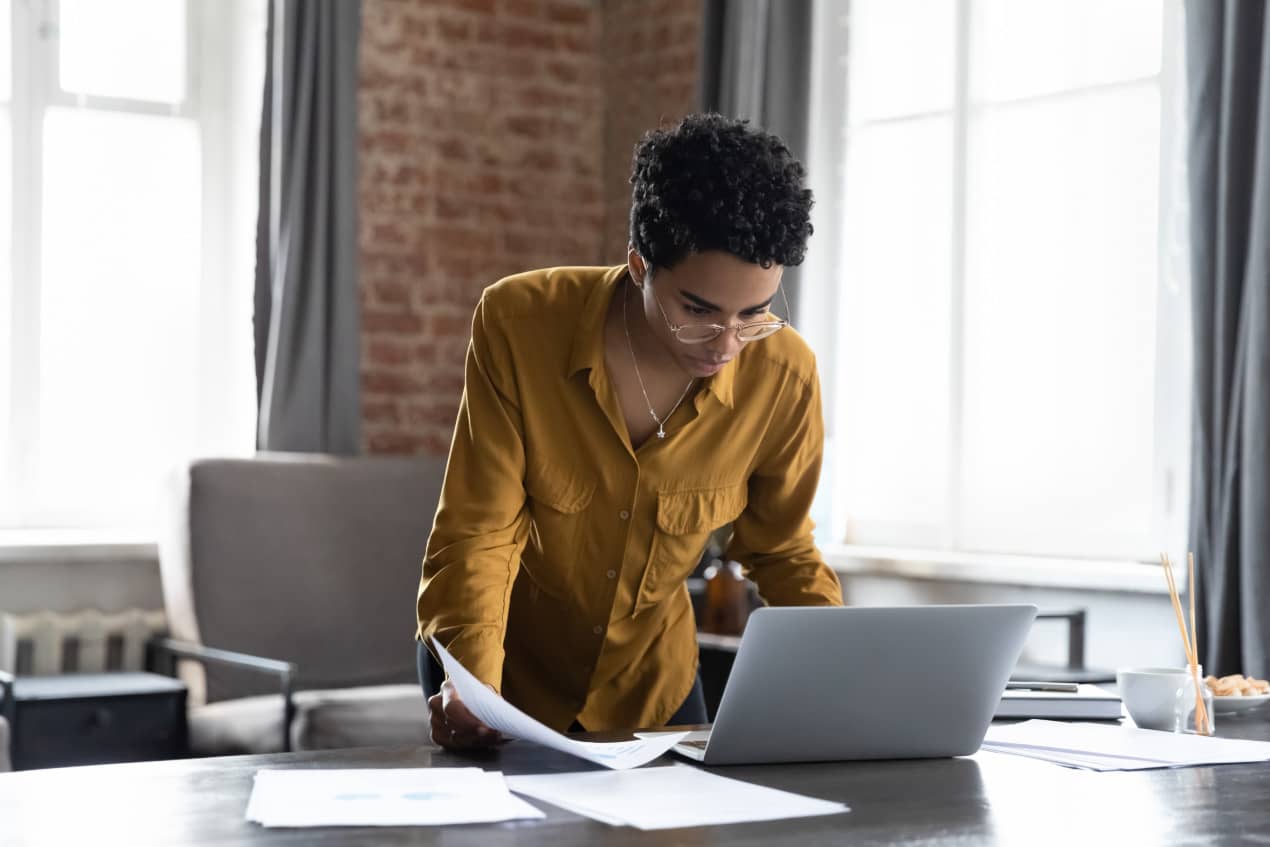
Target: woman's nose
(726, 345)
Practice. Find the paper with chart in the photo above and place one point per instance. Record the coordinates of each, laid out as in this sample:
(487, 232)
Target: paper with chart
(666, 797)
(1104, 747)
(383, 797)
(497, 713)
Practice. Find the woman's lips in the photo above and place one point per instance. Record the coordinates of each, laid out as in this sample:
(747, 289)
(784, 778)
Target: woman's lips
(709, 368)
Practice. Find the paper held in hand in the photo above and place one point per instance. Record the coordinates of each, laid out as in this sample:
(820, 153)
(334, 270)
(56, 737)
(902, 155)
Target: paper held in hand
(498, 714)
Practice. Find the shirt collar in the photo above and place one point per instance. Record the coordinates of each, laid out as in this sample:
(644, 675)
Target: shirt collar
(588, 339)
(720, 385)
(588, 336)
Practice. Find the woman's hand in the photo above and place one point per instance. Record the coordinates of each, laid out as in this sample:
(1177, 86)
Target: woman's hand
(453, 726)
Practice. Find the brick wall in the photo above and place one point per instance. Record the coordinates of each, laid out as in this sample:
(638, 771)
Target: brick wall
(651, 53)
(495, 137)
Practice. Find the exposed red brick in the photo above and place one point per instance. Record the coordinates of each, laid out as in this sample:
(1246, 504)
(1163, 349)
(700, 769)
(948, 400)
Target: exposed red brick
(454, 29)
(540, 160)
(380, 411)
(381, 381)
(485, 7)
(374, 322)
(407, 443)
(496, 136)
(431, 415)
(390, 292)
(444, 325)
(382, 350)
(563, 71)
(569, 13)
(518, 35)
(455, 149)
(530, 126)
(523, 8)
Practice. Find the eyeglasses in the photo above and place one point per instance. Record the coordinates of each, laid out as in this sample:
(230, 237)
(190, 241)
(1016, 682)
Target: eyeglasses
(701, 333)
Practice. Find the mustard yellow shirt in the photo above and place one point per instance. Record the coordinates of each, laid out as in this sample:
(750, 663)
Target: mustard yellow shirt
(555, 569)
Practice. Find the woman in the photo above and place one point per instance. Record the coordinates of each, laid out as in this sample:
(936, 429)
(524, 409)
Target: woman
(612, 418)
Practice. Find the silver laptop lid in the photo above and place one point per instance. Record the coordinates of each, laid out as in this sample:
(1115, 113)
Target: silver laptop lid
(838, 683)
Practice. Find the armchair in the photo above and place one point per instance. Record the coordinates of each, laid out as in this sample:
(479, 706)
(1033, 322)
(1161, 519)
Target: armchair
(310, 561)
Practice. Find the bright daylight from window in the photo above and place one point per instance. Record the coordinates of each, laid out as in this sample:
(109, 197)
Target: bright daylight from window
(1011, 289)
(127, 251)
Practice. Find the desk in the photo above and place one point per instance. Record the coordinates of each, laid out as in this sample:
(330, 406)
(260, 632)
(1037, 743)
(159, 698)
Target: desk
(983, 800)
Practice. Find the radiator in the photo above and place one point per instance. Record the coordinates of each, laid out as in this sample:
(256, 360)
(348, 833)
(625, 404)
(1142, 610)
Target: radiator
(85, 641)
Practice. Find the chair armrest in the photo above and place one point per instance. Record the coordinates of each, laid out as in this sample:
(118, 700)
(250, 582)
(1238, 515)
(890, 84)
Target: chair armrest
(163, 653)
(8, 706)
(1075, 634)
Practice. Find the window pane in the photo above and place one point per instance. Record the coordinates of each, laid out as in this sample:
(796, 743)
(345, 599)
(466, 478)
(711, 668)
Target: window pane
(893, 382)
(6, 50)
(133, 49)
(1021, 48)
(901, 54)
(118, 328)
(1060, 326)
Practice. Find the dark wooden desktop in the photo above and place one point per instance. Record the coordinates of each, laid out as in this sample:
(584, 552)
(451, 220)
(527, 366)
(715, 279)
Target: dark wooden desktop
(999, 800)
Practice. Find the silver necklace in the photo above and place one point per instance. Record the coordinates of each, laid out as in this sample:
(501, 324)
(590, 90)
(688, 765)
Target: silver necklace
(661, 425)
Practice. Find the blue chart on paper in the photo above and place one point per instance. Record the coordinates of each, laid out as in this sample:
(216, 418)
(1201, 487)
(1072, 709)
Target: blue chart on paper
(425, 796)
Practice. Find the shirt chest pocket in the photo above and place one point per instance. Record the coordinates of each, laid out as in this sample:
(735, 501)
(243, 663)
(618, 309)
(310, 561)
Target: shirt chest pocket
(685, 520)
(558, 503)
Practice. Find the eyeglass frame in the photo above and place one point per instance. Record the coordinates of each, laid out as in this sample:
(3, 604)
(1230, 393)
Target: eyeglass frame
(676, 329)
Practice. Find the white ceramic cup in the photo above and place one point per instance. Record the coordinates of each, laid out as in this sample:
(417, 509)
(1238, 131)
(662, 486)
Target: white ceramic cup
(1148, 694)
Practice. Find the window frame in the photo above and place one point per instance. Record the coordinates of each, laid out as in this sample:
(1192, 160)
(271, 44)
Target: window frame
(211, 30)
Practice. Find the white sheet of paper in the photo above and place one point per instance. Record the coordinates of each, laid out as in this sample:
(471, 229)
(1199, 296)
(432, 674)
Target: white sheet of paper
(497, 713)
(666, 797)
(1110, 747)
(383, 797)
(1069, 759)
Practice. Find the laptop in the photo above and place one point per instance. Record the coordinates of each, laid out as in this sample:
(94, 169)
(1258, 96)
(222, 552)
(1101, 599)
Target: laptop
(818, 684)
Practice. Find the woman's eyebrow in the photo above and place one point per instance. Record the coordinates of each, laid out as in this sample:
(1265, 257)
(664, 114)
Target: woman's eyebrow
(706, 304)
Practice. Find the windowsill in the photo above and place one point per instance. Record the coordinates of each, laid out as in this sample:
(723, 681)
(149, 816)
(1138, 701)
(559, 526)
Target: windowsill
(74, 545)
(999, 569)
(96, 545)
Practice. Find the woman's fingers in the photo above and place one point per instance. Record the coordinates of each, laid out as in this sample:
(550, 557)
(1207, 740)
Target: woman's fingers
(453, 724)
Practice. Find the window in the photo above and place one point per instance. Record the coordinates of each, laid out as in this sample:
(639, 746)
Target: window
(128, 135)
(1005, 282)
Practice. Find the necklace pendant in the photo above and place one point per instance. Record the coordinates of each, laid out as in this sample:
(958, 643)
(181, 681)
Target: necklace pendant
(661, 433)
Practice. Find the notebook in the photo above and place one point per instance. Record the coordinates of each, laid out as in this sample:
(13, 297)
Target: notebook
(815, 684)
(1088, 703)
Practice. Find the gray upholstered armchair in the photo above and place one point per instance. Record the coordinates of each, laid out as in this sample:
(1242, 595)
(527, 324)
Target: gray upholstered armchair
(289, 582)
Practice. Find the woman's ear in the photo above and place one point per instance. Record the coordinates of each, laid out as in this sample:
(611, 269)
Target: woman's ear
(636, 266)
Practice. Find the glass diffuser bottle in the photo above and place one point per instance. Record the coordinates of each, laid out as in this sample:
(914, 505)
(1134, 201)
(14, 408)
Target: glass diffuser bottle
(1193, 713)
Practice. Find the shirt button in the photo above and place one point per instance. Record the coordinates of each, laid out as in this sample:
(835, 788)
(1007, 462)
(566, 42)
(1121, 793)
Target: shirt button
(612, 574)
(623, 514)
(599, 630)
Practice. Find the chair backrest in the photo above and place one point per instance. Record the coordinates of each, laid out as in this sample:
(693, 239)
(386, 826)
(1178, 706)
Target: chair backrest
(84, 641)
(306, 558)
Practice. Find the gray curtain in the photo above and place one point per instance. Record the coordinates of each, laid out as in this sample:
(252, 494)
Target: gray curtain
(307, 317)
(756, 64)
(1228, 75)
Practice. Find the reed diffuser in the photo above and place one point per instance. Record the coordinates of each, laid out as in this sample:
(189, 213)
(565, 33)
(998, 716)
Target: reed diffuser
(1203, 717)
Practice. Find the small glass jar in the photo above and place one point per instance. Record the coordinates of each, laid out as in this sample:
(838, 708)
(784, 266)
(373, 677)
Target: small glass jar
(1187, 717)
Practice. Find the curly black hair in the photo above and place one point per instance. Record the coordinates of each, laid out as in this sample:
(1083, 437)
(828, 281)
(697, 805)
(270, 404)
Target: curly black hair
(715, 183)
